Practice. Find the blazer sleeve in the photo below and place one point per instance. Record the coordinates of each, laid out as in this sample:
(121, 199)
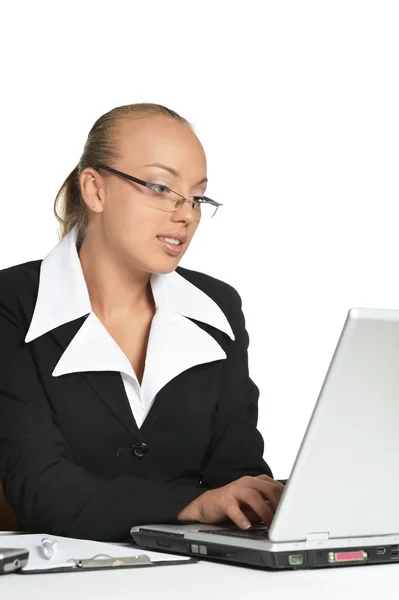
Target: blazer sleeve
(236, 447)
(47, 491)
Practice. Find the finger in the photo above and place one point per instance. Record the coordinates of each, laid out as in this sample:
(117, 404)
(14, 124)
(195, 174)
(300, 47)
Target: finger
(269, 490)
(272, 482)
(267, 478)
(263, 479)
(274, 493)
(251, 516)
(254, 500)
(234, 513)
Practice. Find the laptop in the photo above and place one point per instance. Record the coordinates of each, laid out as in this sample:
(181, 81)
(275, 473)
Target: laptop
(340, 505)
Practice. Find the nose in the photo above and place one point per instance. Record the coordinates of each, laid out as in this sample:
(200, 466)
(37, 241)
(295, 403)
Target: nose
(185, 213)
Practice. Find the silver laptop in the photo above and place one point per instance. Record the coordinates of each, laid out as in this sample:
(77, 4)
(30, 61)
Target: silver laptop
(340, 505)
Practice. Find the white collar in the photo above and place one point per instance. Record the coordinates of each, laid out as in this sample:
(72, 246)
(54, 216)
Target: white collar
(63, 294)
(175, 342)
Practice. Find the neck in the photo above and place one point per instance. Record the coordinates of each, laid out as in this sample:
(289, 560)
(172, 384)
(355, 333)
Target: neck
(115, 288)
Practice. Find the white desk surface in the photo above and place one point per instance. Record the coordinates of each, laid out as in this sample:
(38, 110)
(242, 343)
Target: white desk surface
(206, 580)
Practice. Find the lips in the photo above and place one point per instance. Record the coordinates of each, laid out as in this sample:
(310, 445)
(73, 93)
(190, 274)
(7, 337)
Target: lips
(174, 235)
(172, 249)
(168, 246)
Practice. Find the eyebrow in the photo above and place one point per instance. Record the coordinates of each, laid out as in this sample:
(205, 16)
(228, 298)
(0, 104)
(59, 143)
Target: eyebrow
(173, 171)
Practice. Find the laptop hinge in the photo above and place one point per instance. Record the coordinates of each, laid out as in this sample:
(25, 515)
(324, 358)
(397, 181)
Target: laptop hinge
(318, 536)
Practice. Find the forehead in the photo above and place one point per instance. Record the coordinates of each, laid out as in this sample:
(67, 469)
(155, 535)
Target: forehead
(141, 141)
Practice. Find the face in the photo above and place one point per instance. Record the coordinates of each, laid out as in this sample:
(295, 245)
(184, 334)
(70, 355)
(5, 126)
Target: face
(129, 223)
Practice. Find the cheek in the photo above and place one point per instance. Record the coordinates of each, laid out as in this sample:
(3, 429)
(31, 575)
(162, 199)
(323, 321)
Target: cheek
(124, 213)
(129, 220)
(193, 228)
(190, 231)
(132, 226)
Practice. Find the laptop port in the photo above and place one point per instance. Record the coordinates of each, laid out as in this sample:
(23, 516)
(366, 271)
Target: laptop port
(199, 549)
(295, 559)
(394, 555)
(394, 548)
(381, 551)
(344, 557)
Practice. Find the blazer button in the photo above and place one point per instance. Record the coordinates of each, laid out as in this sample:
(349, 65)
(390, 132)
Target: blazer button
(140, 450)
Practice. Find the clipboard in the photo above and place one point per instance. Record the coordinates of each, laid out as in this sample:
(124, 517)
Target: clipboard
(103, 562)
(78, 555)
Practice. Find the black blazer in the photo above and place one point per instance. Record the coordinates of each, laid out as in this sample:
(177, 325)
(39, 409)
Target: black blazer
(66, 463)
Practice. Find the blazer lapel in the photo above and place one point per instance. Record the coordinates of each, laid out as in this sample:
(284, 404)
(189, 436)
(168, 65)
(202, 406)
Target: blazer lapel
(175, 345)
(107, 384)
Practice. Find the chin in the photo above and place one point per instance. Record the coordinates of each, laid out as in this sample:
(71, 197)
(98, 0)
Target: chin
(163, 269)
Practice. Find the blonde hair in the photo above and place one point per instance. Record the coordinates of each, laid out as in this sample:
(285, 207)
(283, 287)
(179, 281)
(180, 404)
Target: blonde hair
(100, 147)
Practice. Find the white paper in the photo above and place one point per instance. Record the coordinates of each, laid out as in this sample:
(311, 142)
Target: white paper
(71, 548)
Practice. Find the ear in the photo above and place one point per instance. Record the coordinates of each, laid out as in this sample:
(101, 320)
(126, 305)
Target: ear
(93, 189)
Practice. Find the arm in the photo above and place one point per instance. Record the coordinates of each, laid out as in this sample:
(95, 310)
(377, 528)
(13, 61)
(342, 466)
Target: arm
(44, 487)
(241, 484)
(237, 446)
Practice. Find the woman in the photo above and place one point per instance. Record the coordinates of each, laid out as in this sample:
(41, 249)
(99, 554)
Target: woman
(124, 390)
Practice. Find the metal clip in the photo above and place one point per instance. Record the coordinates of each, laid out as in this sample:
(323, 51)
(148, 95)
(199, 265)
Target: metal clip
(110, 561)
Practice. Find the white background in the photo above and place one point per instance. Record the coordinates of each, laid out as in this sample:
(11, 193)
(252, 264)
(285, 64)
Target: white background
(296, 103)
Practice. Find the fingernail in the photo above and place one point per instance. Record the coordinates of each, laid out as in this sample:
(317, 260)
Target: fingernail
(245, 524)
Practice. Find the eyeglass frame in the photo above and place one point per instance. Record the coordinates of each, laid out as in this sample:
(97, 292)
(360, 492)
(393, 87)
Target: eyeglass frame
(203, 199)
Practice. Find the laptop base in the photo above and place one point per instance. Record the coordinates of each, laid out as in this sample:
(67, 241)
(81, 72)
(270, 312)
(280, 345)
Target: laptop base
(303, 559)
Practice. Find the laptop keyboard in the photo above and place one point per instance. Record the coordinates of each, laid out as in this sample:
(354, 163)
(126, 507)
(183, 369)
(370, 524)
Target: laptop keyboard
(261, 533)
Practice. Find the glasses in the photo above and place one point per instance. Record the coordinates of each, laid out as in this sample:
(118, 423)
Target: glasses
(164, 198)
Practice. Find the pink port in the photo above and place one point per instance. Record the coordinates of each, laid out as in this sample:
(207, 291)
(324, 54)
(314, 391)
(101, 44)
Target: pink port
(349, 556)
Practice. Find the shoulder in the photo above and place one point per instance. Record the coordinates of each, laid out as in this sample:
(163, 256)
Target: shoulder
(18, 291)
(20, 279)
(220, 291)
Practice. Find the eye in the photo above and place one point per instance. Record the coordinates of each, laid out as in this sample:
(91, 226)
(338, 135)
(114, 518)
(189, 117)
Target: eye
(160, 189)
(198, 199)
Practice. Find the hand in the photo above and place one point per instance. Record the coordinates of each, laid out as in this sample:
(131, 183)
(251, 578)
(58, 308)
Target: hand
(244, 500)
